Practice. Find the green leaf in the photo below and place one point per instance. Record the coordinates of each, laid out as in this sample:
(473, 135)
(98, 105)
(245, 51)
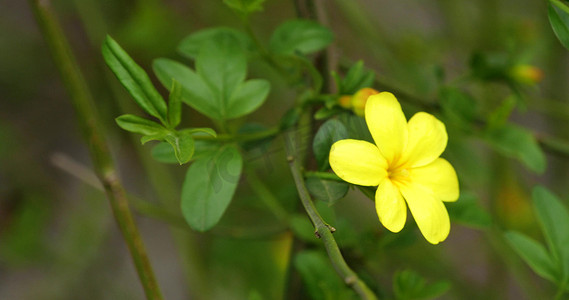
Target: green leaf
(183, 145)
(164, 153)
(140, 125)
(325, 113)
(205, 130)
(209, 187)
(191, 45)
(247, 97)
(409, 284)
(290, 118)
(302, 36)
(175, 105)
(134, 79)
(554, 220)
(559, 20)
(435, 290)
(468, 212)
(223, 66)
(458, 106)
(356, 126)
(327, 190)
(217, 89)
(500, 115)
(195, 91)
(534, 254)
(519, 143)
(23, 237)
(356, 78)
(320, 278)
(245, 6)
(156, 137)
(329, 133)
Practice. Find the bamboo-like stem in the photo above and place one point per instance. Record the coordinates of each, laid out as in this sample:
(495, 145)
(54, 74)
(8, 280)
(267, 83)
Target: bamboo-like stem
(323, 230)
(104, 168)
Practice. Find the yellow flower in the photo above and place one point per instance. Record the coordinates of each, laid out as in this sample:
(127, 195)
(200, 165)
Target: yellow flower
(405, 165)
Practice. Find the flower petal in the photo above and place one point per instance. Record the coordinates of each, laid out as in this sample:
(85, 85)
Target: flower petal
(358, 162)
(429, 213)
(390, 206)
(427, 140)
(387, 124)
(440, 177)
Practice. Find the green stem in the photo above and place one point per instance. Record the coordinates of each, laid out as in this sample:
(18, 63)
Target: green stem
(323, 230)
(323, 175)
(560, 5)
(98, 148)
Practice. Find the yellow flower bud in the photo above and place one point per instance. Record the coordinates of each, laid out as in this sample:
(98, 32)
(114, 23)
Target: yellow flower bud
(345, 101)
(359, 100)
(526, 74)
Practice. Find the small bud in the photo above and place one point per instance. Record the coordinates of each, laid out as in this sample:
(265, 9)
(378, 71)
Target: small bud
(526, 74)
(359, 100)
(345, 101)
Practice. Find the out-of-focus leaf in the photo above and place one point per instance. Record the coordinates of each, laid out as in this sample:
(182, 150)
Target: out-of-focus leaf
(559, 20)
(356, 78)
(245, 7)
(468, 212)
(458, 106)
(326, 190)
(164, 153)
(320, 278)
(134, 79)
(22, 241)
(500, 115)
(175, 105)
(140, 125)
(191, 45)
(519, 143)
(326, 113)
(290, 118)
(409, 285)
(183, 145)
(554, 220)
(534, 254)
(329, 133)
(303, 229)
(209, 187)
(302, 36)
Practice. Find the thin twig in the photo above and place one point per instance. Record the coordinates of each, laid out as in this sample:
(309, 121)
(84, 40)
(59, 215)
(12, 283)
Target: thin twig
(98, 148)
(323, 230)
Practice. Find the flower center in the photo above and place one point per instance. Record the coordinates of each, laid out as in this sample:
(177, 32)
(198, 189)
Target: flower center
(398, 175)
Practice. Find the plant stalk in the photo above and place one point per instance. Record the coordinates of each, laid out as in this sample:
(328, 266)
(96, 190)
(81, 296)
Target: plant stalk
(323, 230)
(104, 167)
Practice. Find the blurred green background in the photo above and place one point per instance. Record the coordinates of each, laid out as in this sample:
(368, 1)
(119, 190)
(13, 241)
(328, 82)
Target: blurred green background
(57, 236)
